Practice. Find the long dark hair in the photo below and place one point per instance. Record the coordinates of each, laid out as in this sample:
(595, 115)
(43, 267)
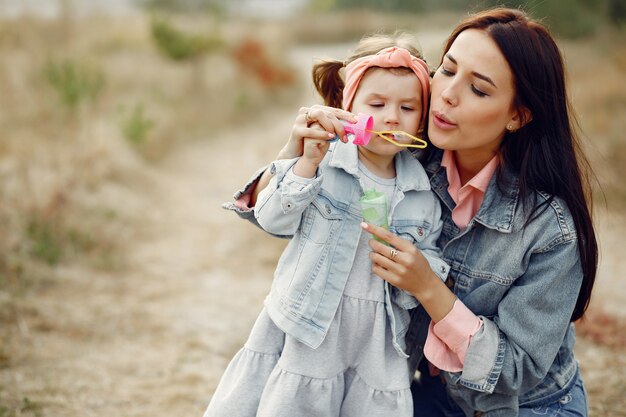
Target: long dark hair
(546, 151)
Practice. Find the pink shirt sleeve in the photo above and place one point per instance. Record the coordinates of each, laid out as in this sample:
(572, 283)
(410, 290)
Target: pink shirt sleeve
(242, 203)
(448, 340)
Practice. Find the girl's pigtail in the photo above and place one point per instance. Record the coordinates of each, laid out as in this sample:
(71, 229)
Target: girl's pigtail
(328, 82)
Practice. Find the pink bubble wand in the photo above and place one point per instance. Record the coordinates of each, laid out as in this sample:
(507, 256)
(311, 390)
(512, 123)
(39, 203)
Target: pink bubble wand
(361, 132)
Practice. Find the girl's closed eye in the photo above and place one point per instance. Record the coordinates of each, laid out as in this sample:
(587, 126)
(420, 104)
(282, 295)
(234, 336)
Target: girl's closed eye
(408, 108)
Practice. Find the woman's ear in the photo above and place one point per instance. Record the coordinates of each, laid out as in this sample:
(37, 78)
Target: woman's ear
(524, 116)
(521, 118)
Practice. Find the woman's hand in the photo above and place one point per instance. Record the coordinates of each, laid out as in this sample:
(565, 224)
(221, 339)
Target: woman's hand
(403, 266)
(315, 122)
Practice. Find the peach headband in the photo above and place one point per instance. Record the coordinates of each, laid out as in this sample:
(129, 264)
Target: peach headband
(392, 57)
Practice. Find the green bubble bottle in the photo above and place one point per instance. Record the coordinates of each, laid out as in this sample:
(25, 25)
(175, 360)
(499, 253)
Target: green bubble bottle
(374, 209)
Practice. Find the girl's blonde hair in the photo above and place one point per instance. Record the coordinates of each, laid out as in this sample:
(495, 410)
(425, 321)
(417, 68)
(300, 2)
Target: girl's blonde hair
(327, 73)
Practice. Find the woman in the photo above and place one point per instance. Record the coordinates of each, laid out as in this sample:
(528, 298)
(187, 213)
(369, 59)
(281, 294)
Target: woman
(498, 335)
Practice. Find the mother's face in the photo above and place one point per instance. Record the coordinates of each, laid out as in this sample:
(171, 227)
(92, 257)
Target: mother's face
(472, 98)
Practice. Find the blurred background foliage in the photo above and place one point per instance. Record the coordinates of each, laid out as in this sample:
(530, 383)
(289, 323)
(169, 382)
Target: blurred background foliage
(569, 18)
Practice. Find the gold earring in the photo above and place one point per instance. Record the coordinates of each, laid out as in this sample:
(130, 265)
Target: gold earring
(510, 128)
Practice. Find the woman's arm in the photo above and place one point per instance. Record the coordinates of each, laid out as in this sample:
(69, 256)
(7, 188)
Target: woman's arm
(513, 351)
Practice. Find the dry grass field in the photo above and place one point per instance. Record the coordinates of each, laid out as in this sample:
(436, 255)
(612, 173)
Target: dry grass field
(124, 288)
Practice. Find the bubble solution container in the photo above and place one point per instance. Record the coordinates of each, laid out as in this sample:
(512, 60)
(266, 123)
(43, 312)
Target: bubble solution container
(374, 209)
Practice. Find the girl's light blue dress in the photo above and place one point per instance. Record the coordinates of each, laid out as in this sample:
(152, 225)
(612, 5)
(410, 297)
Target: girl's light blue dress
(356, 371)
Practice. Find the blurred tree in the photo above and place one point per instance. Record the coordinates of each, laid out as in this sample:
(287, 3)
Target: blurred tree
(180, 46)
(395, 5)
(182, 6)
(568, 18)
(392, 5)
(617, 11)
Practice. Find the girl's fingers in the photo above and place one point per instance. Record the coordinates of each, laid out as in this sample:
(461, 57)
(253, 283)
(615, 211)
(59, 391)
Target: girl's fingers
(316, 143)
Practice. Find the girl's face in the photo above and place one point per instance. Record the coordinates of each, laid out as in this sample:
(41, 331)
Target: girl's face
(393, 99)
(472, 99)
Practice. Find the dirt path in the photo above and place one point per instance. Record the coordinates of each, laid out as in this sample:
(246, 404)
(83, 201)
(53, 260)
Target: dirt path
(202, 281)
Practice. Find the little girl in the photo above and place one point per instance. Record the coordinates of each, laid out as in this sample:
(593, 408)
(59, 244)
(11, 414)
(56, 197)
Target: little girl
(330, 340)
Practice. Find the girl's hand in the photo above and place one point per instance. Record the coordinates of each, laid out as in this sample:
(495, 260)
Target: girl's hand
(403, 266)
(314, 152)
(308, 124)
(316, 122)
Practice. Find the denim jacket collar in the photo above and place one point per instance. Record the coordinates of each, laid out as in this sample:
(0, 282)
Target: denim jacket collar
(498, 208)
(410, 175)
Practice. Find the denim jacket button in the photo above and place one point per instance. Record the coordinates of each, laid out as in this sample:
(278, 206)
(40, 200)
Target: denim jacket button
(420, 231)
(327, 209)
(443, 269)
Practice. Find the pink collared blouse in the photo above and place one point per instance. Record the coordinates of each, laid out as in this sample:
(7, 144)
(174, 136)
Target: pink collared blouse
(448, 339)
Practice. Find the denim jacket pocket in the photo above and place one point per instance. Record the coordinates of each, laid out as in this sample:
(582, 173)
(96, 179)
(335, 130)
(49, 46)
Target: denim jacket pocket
(412, 231)
(320, 219)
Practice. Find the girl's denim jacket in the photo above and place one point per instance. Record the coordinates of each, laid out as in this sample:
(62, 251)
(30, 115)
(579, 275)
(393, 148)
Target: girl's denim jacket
(322, 218)
(523, 280)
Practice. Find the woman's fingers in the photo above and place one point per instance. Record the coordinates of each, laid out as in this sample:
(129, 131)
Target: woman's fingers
(317, 109)
(315, 122)
(387, 236)
(314, 131)
(400, 264)
(329, 118)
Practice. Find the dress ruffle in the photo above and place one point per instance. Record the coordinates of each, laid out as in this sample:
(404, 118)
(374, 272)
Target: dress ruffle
(240, 389)
(345, 395)
(276, 376)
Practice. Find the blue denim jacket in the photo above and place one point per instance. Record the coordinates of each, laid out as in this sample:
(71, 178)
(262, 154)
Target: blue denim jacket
(323, 218)
(523, 281)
